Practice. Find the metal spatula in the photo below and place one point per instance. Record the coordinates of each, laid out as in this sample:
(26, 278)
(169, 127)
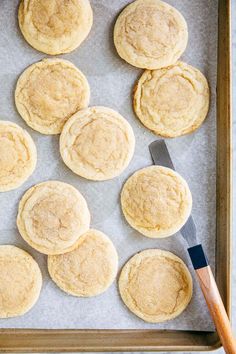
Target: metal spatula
(161, 156)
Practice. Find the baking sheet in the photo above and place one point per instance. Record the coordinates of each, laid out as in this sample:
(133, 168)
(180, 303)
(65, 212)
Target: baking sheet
(111, 81)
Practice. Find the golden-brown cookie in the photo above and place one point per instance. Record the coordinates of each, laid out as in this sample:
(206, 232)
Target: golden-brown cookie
(55, 26)
(52, 216)
(18, 156)
(20, 281)
(172, 101)
(156, 201)
(49, 92)
(155, 285)
(89, 269)
(97, 143)
(150, 34)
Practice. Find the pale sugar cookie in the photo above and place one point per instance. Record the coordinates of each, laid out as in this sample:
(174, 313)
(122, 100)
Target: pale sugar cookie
(49, 92)
(150, 34)
(89, 269)
(20, 281)
(97, 143)
(155, 285)
(52, 216)
(172, 101)
(18, 156)
(156, 201)
(55, 26)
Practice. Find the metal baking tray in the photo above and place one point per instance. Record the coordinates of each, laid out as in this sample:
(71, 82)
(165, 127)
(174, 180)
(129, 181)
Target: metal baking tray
(40, 340)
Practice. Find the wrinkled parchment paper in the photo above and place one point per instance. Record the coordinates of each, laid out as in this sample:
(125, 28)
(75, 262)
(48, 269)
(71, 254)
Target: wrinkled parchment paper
(111, 81)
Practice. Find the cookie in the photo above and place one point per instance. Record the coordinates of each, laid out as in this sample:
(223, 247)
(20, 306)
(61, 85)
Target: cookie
(89, 269)
(20, 281)
(97, 143)
(156, 201)
(155, 285)
(49, 92)
(172, 101)
(18, 156)
(150, 34)
(52, 216)
(55, 26)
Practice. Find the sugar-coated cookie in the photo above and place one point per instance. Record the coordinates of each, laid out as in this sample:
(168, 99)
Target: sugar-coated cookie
(20, 281)
(89, 269)
(55, 26)
(18, 156)
(52, 216)
(49, 92)
(155, 285)
(172, 101)
(156, 201)
(150, 34)
(97, 143)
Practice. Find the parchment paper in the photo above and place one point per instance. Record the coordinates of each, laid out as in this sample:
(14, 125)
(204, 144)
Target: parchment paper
(111, 81)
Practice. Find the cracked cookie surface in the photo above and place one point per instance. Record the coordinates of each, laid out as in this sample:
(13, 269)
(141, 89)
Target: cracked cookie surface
(150, 34)
(55, 26)
(155, 285)
(156, 201)
(20, 281)
(172, 101)
(52, 216)
(89, 269)
(49, 92)
(18, 156)
(97, 143)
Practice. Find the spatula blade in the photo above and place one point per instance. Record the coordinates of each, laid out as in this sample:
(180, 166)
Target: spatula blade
(160, 154)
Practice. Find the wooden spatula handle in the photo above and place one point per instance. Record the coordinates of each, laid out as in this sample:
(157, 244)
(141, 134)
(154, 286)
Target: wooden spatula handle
(213, 298)
(216, 308)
